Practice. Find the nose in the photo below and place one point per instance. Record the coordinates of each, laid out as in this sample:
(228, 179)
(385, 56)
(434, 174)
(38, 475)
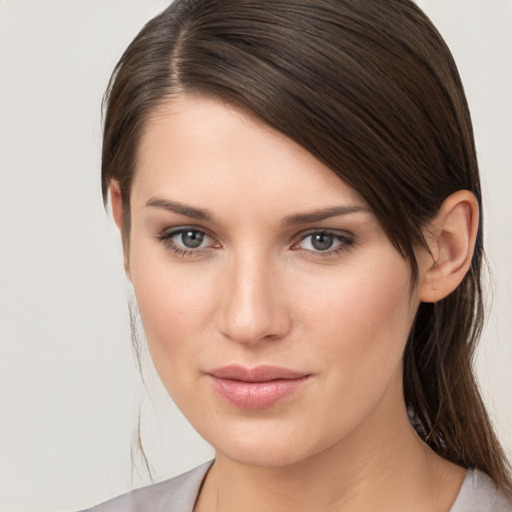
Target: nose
(253, 305)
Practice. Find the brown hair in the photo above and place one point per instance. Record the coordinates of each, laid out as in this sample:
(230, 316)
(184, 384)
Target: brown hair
(369, 88)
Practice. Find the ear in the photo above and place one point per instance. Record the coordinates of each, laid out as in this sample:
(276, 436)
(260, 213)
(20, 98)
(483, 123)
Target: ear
(116, 202)
(451, 238)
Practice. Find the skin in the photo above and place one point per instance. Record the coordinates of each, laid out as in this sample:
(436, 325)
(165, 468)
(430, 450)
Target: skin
(258, 291)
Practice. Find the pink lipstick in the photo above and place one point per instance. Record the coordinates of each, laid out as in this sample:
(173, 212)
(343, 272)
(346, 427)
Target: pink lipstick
(255, 388)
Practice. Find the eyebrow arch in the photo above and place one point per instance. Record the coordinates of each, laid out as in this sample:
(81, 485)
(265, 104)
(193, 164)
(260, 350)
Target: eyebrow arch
(327, 213)
(180, 208)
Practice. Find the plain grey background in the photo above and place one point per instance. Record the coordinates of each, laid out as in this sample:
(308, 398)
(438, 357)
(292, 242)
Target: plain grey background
(69, 387)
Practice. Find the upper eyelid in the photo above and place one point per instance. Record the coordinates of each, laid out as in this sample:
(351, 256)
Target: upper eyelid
(331, 231)
(170, 231)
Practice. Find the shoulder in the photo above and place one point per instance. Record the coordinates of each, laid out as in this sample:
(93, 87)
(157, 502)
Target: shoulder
(175, 495)
(479, 494)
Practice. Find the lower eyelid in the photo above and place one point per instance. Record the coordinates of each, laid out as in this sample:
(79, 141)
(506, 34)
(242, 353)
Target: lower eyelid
(335, 252)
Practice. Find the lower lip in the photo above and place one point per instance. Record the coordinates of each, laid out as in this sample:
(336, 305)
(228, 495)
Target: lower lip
(255, 395)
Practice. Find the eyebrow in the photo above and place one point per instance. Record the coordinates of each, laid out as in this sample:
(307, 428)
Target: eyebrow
(299, 218)
(327, 213)
(180, 209)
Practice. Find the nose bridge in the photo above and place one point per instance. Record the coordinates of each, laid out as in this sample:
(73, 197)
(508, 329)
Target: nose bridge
(252, 309)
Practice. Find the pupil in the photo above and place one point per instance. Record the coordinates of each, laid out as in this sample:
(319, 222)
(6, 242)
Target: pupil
(192, 239)
(322, 241)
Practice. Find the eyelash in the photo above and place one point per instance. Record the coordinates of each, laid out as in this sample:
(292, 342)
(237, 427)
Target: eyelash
(167, 236)
(346, 241)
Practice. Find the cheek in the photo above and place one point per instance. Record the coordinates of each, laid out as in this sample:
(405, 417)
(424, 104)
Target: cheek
(176, 307)
(365, 295)
(361, 318)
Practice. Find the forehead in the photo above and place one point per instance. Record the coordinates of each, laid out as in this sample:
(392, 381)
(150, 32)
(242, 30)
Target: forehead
(197, 148)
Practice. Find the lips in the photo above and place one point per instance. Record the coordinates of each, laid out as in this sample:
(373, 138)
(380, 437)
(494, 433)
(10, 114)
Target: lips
(255, 388)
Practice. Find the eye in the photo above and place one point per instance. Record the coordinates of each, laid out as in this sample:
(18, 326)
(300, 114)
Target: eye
(186, 241)
(190, 238)
(319, 241)
(326, 242)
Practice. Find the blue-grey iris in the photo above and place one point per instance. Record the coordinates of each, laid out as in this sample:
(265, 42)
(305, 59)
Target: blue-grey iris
(192, 239)
(322, 241)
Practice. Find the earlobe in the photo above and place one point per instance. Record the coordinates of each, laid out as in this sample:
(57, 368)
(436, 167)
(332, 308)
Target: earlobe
(116, 202)
(451, 239)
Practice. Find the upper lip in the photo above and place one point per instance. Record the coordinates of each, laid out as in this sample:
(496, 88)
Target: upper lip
(263, 373)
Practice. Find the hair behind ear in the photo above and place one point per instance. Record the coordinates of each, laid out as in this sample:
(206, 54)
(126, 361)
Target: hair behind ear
(440, 386)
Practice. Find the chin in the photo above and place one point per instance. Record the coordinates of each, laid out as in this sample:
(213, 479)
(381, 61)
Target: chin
(263, 456)
(271, 444)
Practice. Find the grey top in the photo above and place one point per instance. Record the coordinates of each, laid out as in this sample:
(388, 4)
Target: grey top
(477, 494)
(175, 495)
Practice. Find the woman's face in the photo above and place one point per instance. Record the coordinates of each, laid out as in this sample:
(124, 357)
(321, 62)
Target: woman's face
(275, 307)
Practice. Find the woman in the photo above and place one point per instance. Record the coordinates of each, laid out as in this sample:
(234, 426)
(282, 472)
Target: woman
(297, 190)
